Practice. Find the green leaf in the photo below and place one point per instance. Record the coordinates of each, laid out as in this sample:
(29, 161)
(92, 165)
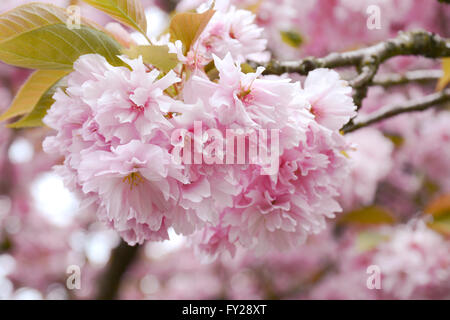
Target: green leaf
(5, 245)
(36, 36)
(439, 209)
(31, 92)
(213, 74)
(368, 240)
(246, 68)
(396, 139)
(157, 56)
(439, 206)
(129, 12)
(445, 79)
(441, 224)
(372, 215)
(211, 71)
(292, 38)
(188, 26)
(34, 118)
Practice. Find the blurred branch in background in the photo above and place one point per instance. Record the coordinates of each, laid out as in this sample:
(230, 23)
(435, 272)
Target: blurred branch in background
(7, 172)
(168, 5)
(416, 76)
(121, 259)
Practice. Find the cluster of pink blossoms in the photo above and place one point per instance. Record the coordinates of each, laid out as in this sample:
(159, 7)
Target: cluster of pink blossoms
(412, 261)
(419, 138)
(230, 31)
(415, 263)
(119, 129)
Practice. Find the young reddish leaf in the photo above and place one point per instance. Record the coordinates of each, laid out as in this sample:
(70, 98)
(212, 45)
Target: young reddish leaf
(439, 209)
(31, 92)
(441, 225)
(439, 206)
(188, 26)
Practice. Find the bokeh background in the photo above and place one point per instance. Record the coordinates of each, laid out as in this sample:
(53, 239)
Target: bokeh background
(400, 180)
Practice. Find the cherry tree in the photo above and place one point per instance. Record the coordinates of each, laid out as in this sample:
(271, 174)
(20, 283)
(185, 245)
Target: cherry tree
(268, 134)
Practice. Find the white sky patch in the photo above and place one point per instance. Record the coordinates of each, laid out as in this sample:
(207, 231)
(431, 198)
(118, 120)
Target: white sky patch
(7, 265)
(98, 246)
(55, 202)
(156, 250)
(27, 294)
(157, 21)
(6, 289)
(21, 151)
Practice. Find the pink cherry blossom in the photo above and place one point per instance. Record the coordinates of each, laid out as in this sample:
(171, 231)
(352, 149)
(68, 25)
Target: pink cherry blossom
(330, 98)
(136, 184)
(230, 31)
(233, 31)
(371, 163)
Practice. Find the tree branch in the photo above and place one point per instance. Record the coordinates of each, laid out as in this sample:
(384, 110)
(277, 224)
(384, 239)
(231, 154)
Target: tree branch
(121, 258)
(361, 83)
(430, 101)
(419, 42)
(418, 76)
(368, 60)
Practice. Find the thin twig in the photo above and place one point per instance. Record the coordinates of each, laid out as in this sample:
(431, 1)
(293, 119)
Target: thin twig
(417, 76)
(424, 103)
(361, 83)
